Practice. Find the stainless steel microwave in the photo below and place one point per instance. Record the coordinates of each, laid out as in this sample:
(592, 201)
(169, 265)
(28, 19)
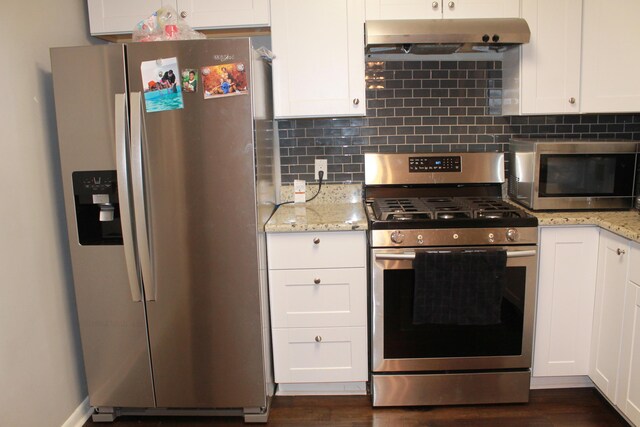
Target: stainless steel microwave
(548, 174)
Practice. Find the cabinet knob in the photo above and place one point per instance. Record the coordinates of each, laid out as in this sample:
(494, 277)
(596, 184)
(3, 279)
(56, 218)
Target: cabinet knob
(485, 38)
(316, 240)
(572, 100)
(183, 14)
(451, 5)
(621, 251)
(316, 280)
(318, 338)
(435, 5)
(356, 101)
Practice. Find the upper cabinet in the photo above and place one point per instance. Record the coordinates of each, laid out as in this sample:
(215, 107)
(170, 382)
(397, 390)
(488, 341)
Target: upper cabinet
(318, 69)
(434, 9)
(121, 16)
(579, 59)
(610, 61)
(543, 76)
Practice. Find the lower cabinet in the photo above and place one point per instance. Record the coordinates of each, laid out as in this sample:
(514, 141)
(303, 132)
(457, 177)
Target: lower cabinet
(613, 261)
(566, 289)
(318, 304)
(628, 395)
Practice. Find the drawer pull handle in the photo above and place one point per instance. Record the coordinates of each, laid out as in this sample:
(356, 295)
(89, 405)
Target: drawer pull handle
(316, 280)
(316, 240)
(318, 338)
(621, 251)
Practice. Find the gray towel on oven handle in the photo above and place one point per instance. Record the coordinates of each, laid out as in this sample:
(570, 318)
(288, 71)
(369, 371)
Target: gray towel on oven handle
(459, 288)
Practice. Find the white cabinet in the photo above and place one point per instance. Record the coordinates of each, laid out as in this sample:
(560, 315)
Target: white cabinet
(566, 288)
(318, 304)
(613, 260)
(448, 9)
(543, 76)
(610, 63)
(577, 61)
(121, 16)
(629, 385)
(318, 69)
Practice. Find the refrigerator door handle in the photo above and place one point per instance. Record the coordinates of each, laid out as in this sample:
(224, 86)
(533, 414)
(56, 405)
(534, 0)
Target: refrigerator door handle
(123, 195)
(140, 210)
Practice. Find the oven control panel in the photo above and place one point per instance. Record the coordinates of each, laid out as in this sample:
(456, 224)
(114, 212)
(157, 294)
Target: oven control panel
(453, 237)
(434, 164)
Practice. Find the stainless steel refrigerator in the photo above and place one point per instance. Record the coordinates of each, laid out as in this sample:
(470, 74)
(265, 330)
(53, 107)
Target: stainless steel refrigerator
(168, 181)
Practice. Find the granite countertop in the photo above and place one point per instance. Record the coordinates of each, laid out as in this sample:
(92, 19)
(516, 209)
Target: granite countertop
(623, 223)
(318, 217)
(337, 208)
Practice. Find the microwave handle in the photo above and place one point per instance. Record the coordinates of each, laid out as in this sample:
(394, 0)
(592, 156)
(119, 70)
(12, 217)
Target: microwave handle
(412, 255)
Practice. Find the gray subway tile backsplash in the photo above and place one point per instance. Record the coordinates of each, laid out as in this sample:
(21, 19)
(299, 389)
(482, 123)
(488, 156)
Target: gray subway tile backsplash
(428, 107)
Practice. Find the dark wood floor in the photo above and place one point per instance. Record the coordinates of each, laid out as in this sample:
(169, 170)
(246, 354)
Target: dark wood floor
(583, 407)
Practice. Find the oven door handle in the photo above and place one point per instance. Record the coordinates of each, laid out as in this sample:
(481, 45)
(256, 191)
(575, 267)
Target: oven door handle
(412, 255)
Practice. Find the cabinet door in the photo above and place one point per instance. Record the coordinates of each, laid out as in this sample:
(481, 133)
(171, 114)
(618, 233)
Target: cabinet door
(550, 68)
(566, 288)
(121, 16)
(318, 69)
(459, 9)
(221, 14)
(308, 355)
(610, 63)
(404, 9)
(629, 389)
(613, 260)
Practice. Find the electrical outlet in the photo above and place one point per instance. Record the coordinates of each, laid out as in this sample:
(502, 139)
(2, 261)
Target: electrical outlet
(321, 165)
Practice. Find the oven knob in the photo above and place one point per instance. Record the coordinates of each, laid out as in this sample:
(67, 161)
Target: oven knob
(512, 235)
(397, 237)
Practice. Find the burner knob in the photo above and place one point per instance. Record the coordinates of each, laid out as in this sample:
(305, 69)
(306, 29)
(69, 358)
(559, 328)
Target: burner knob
(512, 235)
(397, 237)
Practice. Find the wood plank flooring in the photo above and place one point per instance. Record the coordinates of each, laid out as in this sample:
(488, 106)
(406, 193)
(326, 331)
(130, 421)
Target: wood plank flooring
(582, 407)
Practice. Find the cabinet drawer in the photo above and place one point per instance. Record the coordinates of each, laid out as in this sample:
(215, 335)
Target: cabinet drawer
(328, 249)
(320, 354)
(318, 297)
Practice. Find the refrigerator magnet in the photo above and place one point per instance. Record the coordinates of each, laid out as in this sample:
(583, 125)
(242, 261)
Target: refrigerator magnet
(224, 80)
(189, 80)
(161, 86)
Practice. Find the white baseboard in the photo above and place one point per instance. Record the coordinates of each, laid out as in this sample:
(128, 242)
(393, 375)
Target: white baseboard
(80, 415)
(322, 389)
(577, 381)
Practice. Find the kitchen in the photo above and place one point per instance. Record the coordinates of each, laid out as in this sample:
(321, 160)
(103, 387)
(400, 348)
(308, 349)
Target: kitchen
(34, 160)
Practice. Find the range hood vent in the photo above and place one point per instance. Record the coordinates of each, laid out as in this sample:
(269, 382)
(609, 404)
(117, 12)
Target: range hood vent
(444, 36)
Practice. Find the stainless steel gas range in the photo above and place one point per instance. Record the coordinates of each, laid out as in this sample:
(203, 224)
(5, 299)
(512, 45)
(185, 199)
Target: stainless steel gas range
(453, 281)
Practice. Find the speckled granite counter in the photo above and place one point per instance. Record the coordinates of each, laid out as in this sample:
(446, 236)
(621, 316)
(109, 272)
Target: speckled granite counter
(623, 223)
(318, 217)
(337, 208)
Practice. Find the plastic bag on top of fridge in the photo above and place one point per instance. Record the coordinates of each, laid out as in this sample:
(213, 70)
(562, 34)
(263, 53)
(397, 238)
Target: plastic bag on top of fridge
(164, 24)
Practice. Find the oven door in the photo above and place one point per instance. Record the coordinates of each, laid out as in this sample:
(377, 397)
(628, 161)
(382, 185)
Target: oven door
(399, 345)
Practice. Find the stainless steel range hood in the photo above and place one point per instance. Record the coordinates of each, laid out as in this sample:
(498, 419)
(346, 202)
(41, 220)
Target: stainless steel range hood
(444, 36)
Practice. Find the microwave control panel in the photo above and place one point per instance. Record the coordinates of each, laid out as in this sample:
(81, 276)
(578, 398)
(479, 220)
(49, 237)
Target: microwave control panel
(434, 164)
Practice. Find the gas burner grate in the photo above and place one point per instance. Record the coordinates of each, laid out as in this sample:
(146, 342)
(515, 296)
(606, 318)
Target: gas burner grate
(400, 209)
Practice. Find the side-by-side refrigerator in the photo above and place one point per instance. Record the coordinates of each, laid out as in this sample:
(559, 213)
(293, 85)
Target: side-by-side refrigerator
(167, 154)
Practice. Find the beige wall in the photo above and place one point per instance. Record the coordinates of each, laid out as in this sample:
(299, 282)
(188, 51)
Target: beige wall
(41, 376)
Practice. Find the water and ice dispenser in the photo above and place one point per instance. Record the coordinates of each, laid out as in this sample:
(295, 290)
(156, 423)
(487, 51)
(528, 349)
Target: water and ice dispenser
(97, 208)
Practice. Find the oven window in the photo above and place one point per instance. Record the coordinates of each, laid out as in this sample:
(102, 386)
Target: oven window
(586, 175)
(404, 339)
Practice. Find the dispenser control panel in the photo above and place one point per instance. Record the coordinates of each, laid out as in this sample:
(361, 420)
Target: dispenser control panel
(94, 182)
